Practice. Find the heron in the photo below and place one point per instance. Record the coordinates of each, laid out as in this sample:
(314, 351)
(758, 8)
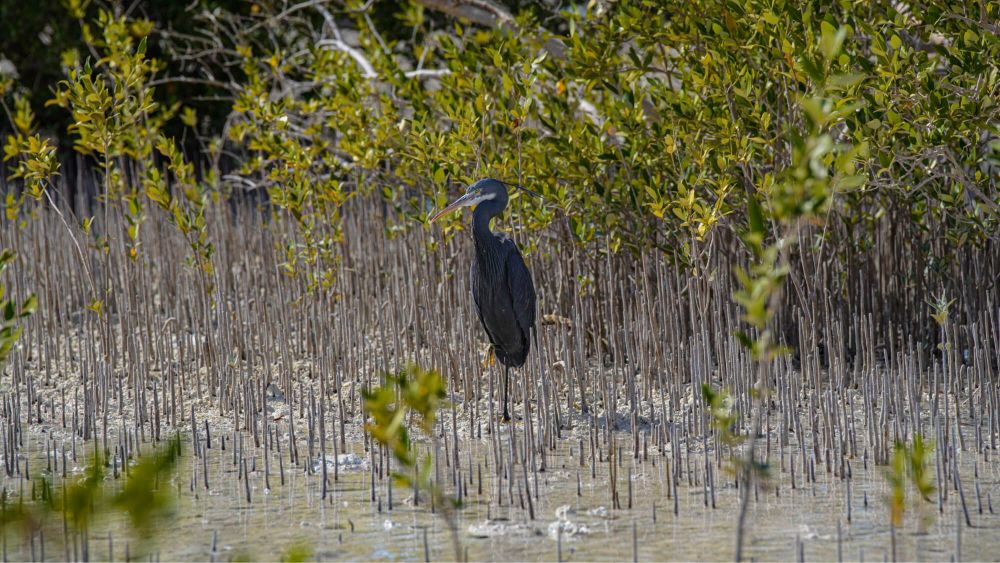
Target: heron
(502, 289)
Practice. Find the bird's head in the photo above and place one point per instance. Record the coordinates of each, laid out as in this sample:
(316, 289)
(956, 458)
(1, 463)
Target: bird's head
(487, 189)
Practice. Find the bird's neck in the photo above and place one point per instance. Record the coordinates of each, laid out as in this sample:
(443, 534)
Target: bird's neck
(481, 217)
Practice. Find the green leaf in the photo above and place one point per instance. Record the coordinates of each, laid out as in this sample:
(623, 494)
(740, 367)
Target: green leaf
(708, 394)
(744, 339)
(6, 257)
(29, 305)
(831, 40)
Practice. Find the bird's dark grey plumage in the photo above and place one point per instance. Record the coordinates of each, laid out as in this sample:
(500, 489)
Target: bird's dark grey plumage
(502, 290)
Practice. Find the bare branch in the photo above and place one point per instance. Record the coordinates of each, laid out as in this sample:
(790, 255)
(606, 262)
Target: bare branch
(427, 73)
(357, 55)
(481, 12)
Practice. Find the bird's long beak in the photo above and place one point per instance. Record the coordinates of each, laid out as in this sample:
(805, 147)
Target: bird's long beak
(464, 201)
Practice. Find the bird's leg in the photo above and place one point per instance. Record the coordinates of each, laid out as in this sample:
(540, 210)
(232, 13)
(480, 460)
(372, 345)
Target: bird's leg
(506, 397)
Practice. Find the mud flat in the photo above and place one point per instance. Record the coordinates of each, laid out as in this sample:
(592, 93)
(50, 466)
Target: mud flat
(613, 453)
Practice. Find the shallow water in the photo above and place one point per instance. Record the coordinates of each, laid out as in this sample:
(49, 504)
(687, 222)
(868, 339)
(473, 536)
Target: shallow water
(348, 525)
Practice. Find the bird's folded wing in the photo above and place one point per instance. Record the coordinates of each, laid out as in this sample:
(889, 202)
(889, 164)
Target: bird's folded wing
(522, 289)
